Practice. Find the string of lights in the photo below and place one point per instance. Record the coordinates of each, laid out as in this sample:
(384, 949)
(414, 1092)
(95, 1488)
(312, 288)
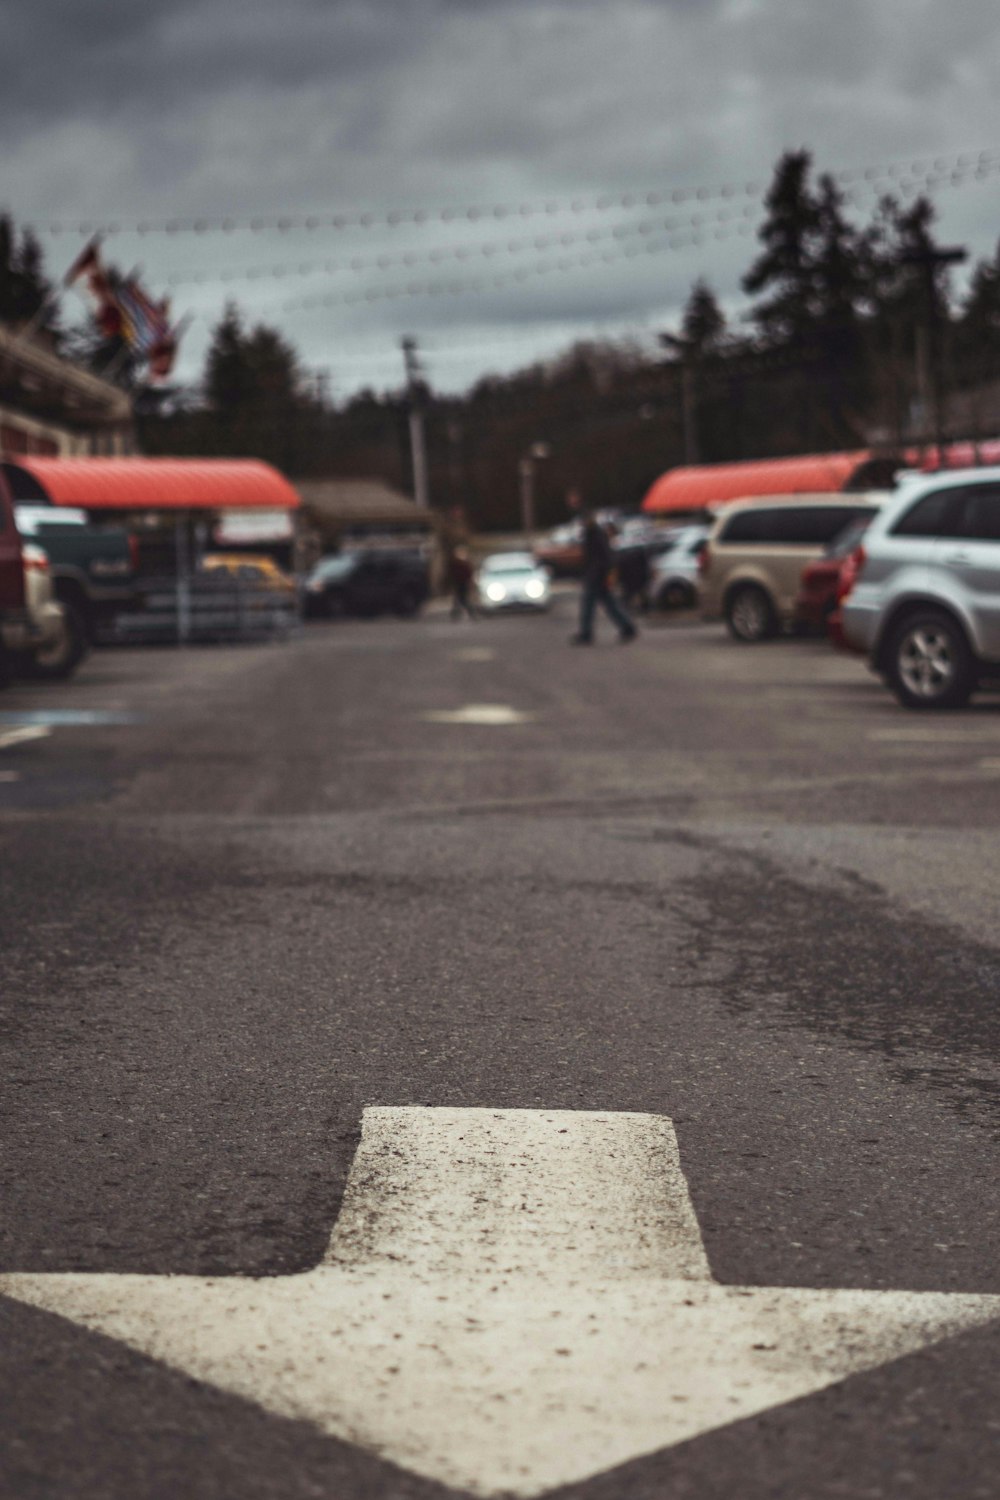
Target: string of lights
(493, 248)
(476, 285)
(396, 217)
(437, 254)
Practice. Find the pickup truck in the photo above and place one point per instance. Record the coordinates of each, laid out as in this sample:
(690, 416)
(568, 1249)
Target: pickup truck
(93, 565)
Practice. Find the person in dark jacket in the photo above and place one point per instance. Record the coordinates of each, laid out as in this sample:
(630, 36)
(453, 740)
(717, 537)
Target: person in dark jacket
(461, 576)
(633, 576)
(598, 560)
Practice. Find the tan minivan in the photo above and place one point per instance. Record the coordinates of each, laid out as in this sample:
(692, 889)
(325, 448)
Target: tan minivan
(756, 550)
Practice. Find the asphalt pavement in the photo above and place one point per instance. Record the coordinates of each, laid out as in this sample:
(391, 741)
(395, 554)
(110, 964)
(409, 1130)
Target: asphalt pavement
(432, 869)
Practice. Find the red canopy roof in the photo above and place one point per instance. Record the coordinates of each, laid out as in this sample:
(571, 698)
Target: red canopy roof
(965, 455)
(713, 484)
(157, 483)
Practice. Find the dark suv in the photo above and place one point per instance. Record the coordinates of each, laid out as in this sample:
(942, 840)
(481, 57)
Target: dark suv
(375, 581)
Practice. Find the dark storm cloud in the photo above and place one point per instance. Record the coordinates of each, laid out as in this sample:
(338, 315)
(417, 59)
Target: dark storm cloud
(66, 59)
(128, 110)
(375, 98)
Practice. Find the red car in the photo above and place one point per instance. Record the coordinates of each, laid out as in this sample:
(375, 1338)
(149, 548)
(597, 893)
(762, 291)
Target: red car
(562, 551)
(816, 604)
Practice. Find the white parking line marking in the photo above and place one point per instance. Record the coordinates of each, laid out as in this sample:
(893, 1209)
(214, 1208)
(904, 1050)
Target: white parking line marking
(478, 713)
(934, 734)
(23, 735)
(511, 1300)
(475, 653)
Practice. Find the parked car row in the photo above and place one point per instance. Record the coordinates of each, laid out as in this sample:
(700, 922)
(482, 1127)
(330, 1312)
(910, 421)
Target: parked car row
(753, 561)
(910, 578)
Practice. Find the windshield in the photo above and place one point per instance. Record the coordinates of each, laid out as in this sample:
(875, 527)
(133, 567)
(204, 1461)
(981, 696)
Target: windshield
(846, 540)
(334, 567)
(514, 562)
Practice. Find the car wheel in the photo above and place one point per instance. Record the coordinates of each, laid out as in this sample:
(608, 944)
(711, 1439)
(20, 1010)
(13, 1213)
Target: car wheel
(674, 595)
(61, 656)
(929, 664)
(750, 614)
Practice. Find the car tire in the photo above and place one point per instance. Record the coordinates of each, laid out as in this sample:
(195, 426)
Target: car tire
(928, 662)
(750, 615)
(675, 595)
(60, 659)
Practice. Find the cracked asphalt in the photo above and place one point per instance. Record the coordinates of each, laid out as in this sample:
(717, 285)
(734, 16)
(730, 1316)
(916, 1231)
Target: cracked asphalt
(736, 886)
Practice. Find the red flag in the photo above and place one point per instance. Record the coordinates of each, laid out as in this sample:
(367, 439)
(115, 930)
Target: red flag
(85, 264)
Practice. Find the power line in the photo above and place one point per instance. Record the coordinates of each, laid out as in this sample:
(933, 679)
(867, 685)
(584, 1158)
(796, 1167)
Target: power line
(458, 287)
(491, 248)
(459, 252)
(396, 217)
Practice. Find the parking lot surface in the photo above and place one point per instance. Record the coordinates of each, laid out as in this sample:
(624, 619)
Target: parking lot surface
(428, 870)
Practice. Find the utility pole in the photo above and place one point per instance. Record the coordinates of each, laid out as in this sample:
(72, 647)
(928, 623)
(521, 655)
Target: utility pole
(526, 469)
(928, 352)
(415, 392)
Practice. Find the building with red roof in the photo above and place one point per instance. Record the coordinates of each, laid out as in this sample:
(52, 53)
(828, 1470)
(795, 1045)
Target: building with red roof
(705, 486)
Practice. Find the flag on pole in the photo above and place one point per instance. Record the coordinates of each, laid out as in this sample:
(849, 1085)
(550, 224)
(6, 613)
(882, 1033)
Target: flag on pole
(125, 310)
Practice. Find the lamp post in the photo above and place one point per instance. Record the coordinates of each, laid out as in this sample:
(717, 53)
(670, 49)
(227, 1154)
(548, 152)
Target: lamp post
(527, 472)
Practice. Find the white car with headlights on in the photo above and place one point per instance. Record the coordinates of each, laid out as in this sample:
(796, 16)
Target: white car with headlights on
(513, 580)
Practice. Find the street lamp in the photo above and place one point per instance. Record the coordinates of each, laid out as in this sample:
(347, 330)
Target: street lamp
(527, 471)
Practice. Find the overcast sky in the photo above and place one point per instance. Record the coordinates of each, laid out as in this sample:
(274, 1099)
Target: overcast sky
(127, 112)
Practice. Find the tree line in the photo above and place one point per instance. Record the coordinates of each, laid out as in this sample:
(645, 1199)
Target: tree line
(853, 336)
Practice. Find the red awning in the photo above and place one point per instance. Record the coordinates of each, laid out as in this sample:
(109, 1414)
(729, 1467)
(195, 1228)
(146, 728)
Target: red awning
(965, 455)
(156, 483)
(712, 484)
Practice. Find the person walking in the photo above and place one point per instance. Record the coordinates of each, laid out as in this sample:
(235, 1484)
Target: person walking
(461, 584)
(598, 559)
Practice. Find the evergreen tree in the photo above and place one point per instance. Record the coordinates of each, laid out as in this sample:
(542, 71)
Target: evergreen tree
(978, 331)
(840, 287)
(703, 323)
(228, 379)
(24, 287)
(910, 313)
(255, 402)
(785, 270)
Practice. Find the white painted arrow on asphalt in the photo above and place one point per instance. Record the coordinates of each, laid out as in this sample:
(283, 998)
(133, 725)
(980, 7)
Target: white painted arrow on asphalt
(511, 1300)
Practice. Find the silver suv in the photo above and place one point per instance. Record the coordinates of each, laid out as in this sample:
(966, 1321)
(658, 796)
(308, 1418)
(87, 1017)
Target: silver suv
(925, 598)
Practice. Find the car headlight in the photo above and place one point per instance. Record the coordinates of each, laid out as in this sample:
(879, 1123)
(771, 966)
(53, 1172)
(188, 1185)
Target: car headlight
(534, 588)
(496, 592)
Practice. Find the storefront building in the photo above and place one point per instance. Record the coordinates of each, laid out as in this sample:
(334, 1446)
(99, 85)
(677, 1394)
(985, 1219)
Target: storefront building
(52, 408)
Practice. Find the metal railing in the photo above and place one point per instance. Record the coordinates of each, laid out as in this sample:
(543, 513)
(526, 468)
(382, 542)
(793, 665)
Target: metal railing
(206, 607)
